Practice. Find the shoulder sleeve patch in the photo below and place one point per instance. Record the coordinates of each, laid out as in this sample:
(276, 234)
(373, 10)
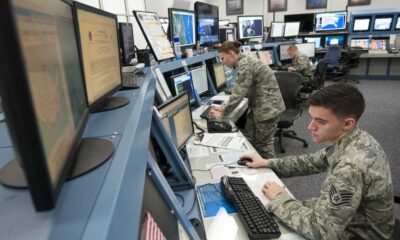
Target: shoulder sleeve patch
(338, 198)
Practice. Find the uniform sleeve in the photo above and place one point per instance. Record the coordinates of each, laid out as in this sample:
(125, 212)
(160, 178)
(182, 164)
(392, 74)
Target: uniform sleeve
(244, 78)
(302, 165)
(327, 216)
(301, 63)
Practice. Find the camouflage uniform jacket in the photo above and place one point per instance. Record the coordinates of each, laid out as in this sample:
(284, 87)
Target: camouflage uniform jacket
(301, 63)
(256, 81)
(356, 199)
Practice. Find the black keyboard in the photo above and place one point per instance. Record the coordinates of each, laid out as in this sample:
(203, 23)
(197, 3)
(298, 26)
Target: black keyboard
(129, 80)
(255, 218)
(204, 114)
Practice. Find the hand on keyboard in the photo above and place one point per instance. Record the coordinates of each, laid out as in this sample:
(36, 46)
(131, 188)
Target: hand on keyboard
(215, 112)
(272, 189)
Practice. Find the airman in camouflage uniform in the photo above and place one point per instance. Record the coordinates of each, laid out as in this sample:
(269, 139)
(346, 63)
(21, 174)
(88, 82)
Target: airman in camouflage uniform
(300, 63)
(256, 81)
(356, 198)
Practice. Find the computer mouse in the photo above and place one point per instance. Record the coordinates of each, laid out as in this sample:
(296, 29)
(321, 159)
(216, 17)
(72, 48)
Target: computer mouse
(243, 161)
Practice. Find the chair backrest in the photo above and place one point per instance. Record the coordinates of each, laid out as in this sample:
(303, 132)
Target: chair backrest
(320, 72)
(351, 59)
(333, 55)
(289, 84)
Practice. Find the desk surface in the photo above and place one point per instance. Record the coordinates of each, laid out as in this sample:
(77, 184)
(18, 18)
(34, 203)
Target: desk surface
(202, 158)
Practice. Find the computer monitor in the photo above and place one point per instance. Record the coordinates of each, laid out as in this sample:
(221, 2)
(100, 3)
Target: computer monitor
(100, 54)
(199, 79)
(292, 29)
(378, 44)
(154, 34)
(219, 75)
(277, 29)
(397, 27)
(177, 119)
(361, 24)
(250, 26)
(252, 54)
(306, 21)
(363, 43)
(283, 52)
(306, 48)
(43, 94)
(397, 42)
(330, 21)
(223, 22)
(164, 23)
(127, 43)
(207, 22)
(316, 40)
(183, 82)
(334, 40)
(182, 26)
(383, 23)
(267, 56)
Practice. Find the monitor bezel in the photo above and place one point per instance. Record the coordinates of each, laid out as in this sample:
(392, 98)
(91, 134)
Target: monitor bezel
(215, 79)
(171, 78)
(196, 6)
(120, 24)
(22, 123)
(362, 17)
(81, 6)
(327, 30)
(147, 39)
(340, 45)
(170, 101)
(170, 25)
(320, 41)
(286, 44)
(306, 16)
(313, 56)
(397, 22)
(198, 67)
(272, 53)
(271, 30)
(384, 16)
(252, 37)
(298, 31)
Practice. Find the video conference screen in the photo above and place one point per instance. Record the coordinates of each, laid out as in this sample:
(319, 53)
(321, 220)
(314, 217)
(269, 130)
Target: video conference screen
(250, 27)
(330, 21)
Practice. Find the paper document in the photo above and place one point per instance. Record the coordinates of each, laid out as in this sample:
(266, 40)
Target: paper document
(222, 140)
(197, 151)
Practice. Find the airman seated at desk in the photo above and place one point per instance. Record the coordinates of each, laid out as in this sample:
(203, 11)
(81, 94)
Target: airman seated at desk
(300, 64)
(256, 81)
(356, 198)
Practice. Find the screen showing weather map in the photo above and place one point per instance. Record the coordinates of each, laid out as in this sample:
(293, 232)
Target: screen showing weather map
(330, 21)
(183, 27)
(250, 26)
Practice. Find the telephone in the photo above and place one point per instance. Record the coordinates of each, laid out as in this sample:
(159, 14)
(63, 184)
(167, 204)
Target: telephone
(218, 126)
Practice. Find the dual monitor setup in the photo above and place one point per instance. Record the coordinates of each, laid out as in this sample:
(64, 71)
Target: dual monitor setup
(380, 23)
(266, 56)
(66, 63)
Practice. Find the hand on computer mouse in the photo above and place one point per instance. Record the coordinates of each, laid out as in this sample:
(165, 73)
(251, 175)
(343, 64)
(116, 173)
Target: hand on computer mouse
(243, 161)
(256, 161)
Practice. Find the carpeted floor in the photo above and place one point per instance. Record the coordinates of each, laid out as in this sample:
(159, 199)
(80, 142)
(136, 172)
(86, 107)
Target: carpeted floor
(381, 119)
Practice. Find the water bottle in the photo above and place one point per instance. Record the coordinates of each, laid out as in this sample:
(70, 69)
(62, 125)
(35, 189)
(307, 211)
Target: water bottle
(177, 48)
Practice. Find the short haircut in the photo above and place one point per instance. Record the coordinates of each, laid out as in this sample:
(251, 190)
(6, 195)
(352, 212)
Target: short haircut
(230, 46)
(292, 47)
(342, 99)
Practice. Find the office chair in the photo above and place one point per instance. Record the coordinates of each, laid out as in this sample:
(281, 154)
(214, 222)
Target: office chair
(289, 84)
(320, 73)
(333, 55)
(350, 61)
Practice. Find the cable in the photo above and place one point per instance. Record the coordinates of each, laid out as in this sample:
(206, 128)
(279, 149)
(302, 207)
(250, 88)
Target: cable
(181, 197)
(217, 164)
(198, 127)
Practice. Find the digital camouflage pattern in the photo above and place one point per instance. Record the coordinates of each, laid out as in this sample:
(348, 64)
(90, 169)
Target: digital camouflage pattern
(301, 63)
(356, 199)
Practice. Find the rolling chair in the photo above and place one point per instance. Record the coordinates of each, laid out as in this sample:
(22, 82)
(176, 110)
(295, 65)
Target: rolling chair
(289, 84)
(320, 73)
(350, 61)
(333, 55)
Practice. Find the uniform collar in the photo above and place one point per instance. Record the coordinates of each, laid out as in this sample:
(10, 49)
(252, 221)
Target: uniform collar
(341, 144)
(349, 137)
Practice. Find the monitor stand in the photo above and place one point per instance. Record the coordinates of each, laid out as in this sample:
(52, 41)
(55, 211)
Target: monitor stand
(92, 153)
(110, 103)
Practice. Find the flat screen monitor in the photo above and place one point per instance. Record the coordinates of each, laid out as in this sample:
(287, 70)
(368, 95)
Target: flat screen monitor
(383, 23)
(283, 52)
(277, 29)
(250, 27)
(182, 26)
(397, 42)
(183, 82)
(155, 36)
(292, 29)
(127, 43)
(361, 24)
(252, 54)
(267, 56)
(316, 40)
(306, 48)
(330, 21)
(334, 40)
(164, 23)
(43, 93)
(363, 43)
(207, 22)
(398, 23)
(100, 54)
(378, 44)
(223, 22)
(219, 75)
(177, 119)
(306, 21)
(199, 78)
